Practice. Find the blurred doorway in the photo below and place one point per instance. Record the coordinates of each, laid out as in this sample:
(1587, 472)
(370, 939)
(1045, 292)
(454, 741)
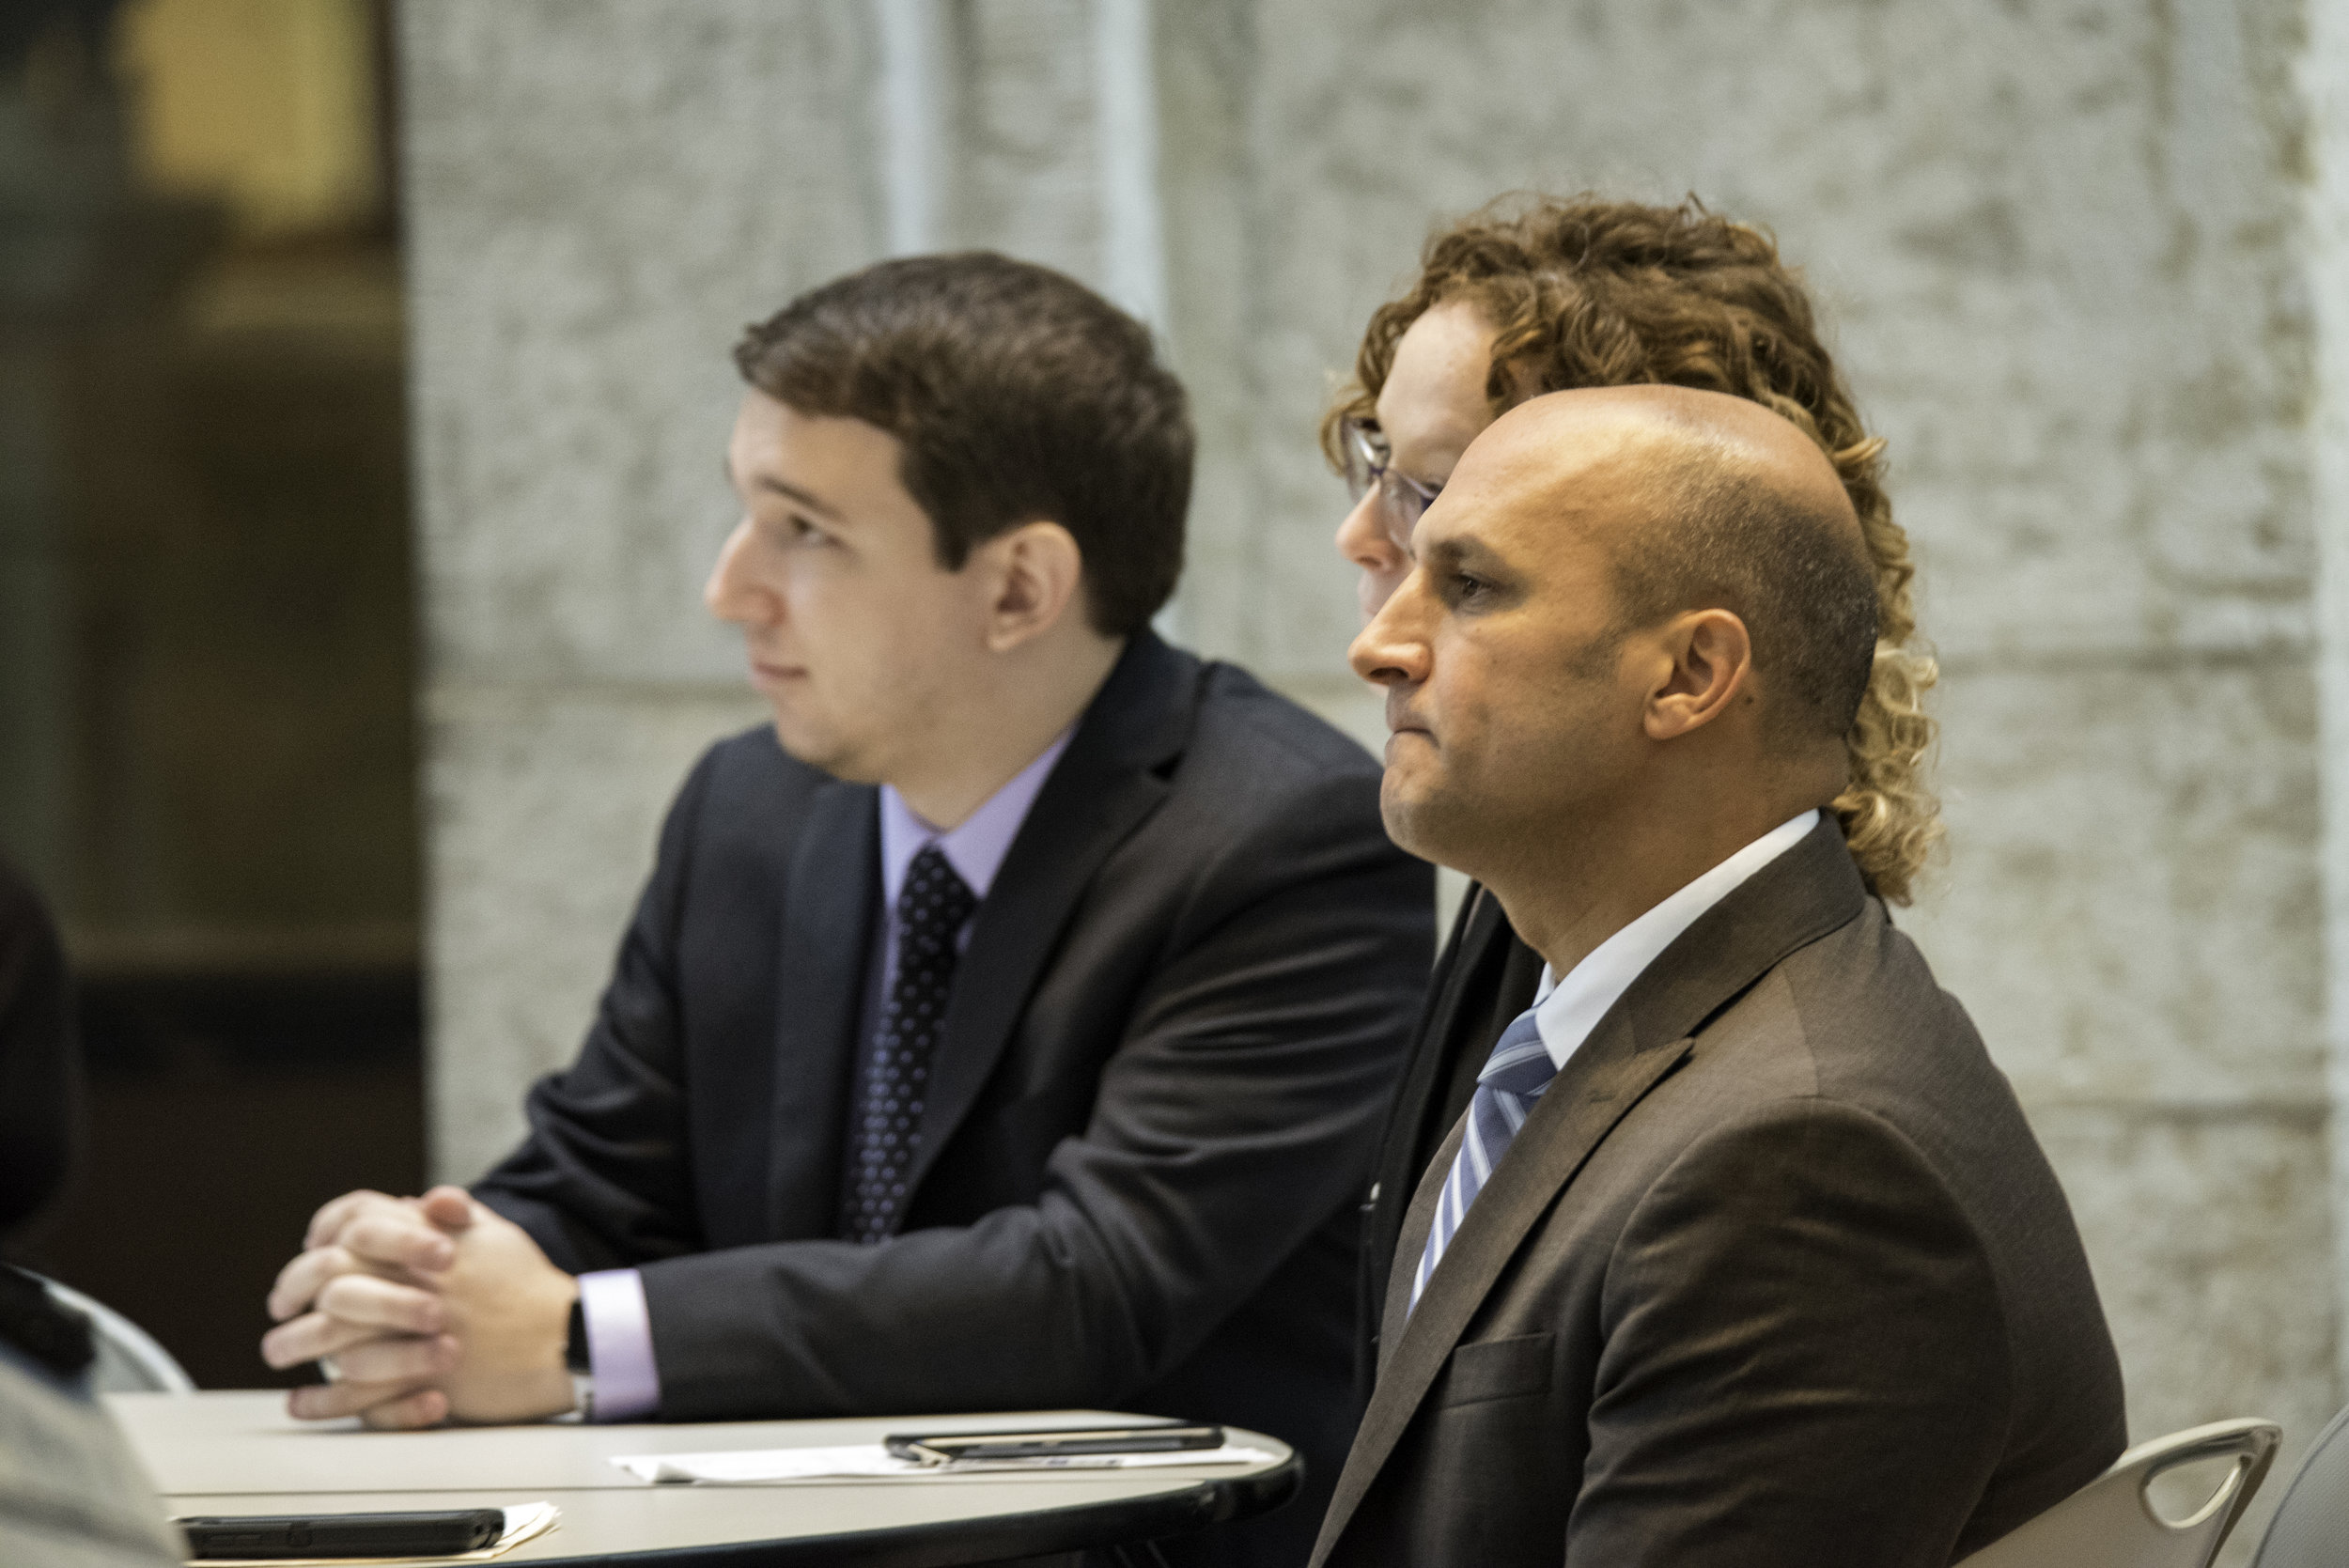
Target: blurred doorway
(207, 628)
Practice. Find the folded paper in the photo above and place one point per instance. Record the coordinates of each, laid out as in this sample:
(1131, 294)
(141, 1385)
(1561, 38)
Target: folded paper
(752, 1467)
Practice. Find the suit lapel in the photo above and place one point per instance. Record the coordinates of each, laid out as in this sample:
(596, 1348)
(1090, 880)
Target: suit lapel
(1110, 778)
(1464, 964)
(1411, 1241)
(1597, 1086)
(828, 917)
(1441, 1021)
(1808, 892)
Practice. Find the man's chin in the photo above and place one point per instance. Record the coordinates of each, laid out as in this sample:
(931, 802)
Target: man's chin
(815, 745)
(1415, 816)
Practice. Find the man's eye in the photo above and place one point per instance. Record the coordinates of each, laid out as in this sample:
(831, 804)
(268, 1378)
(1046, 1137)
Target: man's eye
(1466, 588)
(804, 531)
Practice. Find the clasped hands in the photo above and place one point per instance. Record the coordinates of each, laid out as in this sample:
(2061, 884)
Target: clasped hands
(424, 1309)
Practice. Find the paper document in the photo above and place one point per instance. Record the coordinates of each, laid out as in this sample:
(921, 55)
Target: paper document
(525, 1521)
(752, 1467)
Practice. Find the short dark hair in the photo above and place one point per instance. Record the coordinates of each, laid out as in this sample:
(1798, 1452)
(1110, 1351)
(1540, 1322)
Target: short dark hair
(1017, 395)
(1792, 570)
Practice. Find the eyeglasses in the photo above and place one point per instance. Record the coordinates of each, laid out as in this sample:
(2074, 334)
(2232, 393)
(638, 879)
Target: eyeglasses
(1401, 498)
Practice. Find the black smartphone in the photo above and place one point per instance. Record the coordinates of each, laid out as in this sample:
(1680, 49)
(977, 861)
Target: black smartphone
(262, 1536)
(946, 1448)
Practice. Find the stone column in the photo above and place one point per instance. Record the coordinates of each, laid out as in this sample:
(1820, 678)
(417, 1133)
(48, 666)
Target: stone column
(599, 194)
(2324, 81)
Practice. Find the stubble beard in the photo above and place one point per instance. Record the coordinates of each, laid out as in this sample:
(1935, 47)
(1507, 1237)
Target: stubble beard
(1422, 818)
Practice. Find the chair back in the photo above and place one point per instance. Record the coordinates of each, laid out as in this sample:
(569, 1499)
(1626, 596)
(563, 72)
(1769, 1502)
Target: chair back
(2115, 1522)
(128, 1359)
(2310, 1529)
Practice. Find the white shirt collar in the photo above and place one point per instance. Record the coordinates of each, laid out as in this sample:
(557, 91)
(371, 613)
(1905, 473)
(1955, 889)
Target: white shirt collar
(1566, 1010)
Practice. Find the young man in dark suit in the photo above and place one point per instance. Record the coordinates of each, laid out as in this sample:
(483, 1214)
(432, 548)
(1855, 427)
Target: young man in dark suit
(1006, 1027)
(1743, 1253)
(1534, 296)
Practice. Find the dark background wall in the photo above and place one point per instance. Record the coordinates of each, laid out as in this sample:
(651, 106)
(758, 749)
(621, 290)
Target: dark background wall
(207, 752)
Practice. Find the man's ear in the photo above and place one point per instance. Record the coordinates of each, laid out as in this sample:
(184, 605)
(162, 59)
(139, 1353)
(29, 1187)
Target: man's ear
(1712, 671)
(1037, 574)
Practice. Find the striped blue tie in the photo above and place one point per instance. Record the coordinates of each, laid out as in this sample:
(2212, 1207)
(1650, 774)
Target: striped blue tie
(1514, 1077)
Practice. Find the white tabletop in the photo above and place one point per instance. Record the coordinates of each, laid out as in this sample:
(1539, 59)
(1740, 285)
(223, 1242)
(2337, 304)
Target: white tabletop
(242, 1454)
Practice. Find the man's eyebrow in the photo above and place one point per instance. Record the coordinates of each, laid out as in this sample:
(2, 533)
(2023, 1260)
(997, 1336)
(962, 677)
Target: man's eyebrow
(765, 482)
(1455, 551)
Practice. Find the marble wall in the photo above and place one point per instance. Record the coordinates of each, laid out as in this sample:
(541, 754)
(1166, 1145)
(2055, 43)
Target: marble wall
(2064, 247)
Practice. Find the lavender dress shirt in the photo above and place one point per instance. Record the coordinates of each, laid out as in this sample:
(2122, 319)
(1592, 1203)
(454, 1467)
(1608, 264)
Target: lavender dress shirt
(619, 1328)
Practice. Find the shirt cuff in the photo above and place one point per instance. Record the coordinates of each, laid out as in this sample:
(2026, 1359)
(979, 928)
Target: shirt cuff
(620, 1344)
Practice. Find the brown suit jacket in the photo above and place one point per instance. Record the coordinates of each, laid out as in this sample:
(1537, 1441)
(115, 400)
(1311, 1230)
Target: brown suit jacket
(1775, 1273)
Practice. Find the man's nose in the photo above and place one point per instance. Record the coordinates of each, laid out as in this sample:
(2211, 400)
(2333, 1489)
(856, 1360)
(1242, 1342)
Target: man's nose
(1363, 538)
(729, 594)
(1393, 648)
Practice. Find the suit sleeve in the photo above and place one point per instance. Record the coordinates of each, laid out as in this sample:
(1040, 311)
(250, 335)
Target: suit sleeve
(1235, 1117)
(602, 1179)
(1804, 1357)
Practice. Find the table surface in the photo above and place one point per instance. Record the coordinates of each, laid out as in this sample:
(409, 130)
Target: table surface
(238, 1452)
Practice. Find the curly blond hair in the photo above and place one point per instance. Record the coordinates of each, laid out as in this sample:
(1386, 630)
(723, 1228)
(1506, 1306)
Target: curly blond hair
(1589, 292)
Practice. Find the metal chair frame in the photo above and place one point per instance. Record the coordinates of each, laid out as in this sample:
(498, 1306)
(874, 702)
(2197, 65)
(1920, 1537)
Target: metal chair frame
(128, 1359)
(2112, 1522)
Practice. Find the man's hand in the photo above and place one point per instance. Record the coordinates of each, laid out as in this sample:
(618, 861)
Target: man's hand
(510, 1311)
(357, 1301)
(423, 1309)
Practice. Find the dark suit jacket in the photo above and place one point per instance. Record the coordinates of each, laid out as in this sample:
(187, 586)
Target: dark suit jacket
(40, 1061)
(1485, 977)
(1171, 1041)
(1775, 1273)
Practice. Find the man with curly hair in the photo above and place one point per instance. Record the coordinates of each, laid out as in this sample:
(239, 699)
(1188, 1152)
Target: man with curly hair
(1743, 1253)
(1537, 295)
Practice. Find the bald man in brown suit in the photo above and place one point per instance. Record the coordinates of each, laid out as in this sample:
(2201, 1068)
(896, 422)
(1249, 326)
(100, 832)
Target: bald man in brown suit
(1743, 1253)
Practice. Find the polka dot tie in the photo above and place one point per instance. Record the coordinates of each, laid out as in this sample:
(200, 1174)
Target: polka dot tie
(932, 907)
